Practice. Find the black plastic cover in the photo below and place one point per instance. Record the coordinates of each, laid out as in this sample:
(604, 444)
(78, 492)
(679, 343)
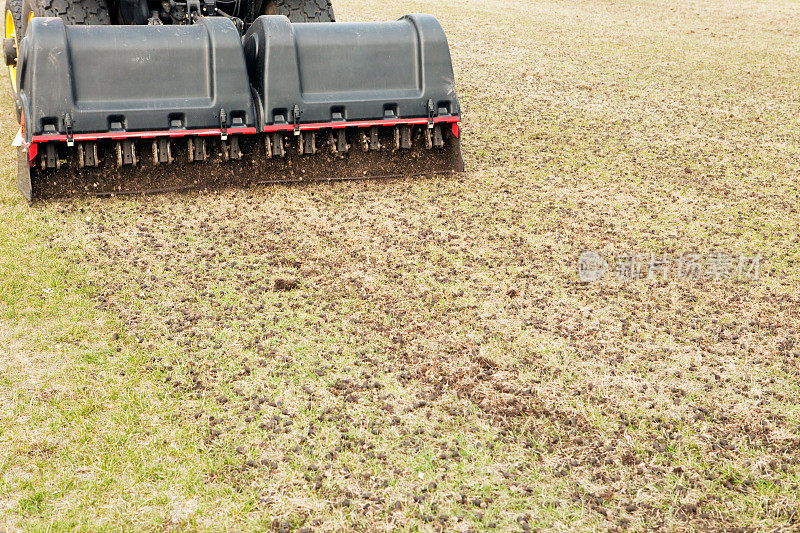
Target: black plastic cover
(350, 71)
(138, 78)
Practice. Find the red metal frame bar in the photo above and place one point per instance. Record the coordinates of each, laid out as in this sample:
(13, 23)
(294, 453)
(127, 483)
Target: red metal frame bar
(245, 131)
(114, 135)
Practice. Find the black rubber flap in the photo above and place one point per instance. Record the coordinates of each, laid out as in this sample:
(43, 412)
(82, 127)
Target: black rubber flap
(94, 79)
(321, 72)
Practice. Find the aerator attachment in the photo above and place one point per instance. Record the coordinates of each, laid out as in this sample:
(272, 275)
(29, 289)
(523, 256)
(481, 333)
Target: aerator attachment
(132, 109)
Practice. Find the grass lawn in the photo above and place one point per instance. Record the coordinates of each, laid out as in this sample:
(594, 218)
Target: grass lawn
(436, 362)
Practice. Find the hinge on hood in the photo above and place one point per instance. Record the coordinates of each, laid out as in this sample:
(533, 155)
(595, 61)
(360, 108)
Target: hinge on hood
(296, 118)
(68, 128)
(431, 113)
(223, 124)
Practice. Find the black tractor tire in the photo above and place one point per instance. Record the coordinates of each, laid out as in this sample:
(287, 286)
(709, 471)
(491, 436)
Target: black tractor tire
(301, 10)
(15, 8)
(81, 12)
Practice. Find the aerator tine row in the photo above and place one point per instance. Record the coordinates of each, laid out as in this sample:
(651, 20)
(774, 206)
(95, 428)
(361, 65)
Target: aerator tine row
(195, 149)
(106, 166)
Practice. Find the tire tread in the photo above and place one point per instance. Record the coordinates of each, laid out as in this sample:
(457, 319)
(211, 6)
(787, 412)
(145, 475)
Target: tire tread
(302, 10)
(77, 12)
(15, 6)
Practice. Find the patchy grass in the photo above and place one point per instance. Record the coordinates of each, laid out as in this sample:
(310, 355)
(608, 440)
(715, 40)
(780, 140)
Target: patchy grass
(412, 354)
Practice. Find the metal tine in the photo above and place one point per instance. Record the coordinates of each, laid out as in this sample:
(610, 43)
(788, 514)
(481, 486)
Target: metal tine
(275, 145)
(50, 157)
(374, 139)
(230, 148)
(405, 137)
(337, 140)
(308, 139)
(438, 139)
(162, 151)
(87, 154)
(341, 141)
(332, 142)
(196, 149)
(126, 152)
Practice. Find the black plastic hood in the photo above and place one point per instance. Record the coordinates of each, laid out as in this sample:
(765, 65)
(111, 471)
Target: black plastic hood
(126, 79)
(104, 78)
(350, 71)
